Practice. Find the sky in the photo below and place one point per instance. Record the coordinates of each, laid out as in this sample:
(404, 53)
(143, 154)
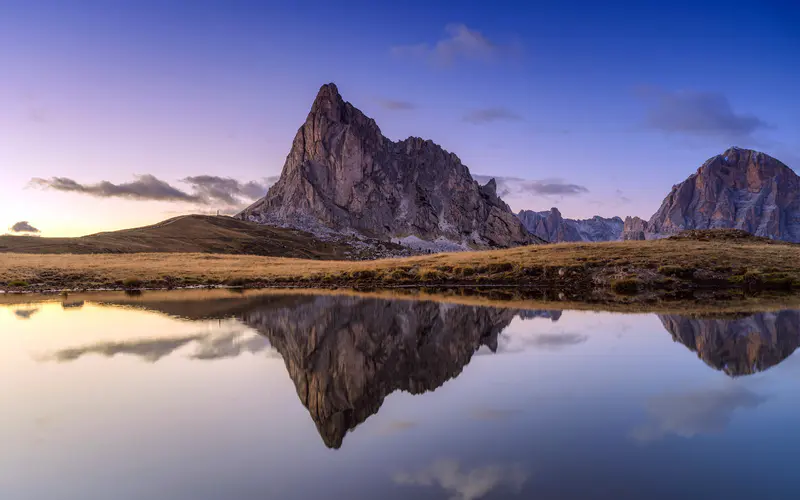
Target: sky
(117, 113)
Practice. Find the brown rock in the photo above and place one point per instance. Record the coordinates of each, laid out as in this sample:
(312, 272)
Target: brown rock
(342, 174)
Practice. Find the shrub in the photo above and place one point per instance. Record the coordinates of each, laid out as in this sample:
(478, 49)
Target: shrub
(132, 283)
(430, 275)
(18, 283)
(500, 267)
(626, 286)
(236, 282)
(365, 274)
(677, 271)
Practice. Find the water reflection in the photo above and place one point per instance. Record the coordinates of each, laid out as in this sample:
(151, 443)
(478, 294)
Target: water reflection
(345, 354)
(738, 345)
(487, 401)
(465, 484)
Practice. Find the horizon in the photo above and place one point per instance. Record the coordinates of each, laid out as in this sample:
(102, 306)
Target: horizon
(202, 100)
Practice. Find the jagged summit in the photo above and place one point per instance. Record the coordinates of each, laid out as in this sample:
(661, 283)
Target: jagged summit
(737, 189)
(342, 175)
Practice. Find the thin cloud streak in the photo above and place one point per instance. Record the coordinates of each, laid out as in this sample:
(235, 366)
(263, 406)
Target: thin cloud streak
(393, 105)
(205, 189)
(514, 186)
(489, 115)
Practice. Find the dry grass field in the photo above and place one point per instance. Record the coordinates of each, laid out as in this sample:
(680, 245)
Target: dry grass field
(186, 234)
(578, 270)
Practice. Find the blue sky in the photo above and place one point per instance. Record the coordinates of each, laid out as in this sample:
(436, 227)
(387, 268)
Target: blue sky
(607, 103)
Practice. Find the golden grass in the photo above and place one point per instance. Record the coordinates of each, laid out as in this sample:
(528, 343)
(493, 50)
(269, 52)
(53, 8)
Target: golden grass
(577, 269)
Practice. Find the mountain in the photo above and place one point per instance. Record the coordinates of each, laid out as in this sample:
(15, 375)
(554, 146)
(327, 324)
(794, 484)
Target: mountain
(738, 345)
(190, 233)
(738, 189)
(343, 176)
(551, 227)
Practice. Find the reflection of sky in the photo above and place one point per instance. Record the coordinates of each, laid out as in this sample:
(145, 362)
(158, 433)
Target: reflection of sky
(541, 421)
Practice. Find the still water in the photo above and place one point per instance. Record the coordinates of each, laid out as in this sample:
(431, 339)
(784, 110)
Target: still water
(287, 396)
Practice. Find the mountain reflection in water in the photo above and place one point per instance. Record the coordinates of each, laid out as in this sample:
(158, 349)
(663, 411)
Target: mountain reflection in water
(345, 354)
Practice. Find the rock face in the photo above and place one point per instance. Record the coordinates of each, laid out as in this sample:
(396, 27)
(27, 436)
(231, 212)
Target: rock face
(342, 174)
(634, 229)
(738, 345)
(738, 189)
(552, 227)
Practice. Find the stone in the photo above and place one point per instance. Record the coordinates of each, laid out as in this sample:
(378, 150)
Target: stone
(343, 175)
(738, 189)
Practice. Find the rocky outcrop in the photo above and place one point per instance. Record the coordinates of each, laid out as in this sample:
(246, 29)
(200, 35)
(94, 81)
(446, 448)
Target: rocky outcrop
(552, 227)
(738, 189)
(634, 229)
(342, 174)
(738, 345)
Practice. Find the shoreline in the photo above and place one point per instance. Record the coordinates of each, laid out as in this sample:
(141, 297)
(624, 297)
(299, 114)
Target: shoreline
(498, 297)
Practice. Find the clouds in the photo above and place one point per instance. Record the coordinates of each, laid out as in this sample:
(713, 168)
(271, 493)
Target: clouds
(145, 187)
(394, 105)
(205, 189)
(227, 190)
(229, 343)
(514, 186)
(698, 113)
(466, 484)
(23, 227)
(460, 43)
(698, 412)
(489, 115)
(26, 313)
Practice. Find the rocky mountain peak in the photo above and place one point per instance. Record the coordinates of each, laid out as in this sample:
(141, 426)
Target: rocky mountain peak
(737, 189)
(342, 175)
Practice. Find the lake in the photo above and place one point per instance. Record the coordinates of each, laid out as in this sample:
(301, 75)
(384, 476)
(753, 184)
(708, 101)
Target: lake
(179, 395)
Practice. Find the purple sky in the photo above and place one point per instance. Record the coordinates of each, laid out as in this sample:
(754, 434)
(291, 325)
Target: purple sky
(594, 109)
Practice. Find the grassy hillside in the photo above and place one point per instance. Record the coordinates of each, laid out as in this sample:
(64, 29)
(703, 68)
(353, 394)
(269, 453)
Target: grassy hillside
(580, 271)
(186, 234)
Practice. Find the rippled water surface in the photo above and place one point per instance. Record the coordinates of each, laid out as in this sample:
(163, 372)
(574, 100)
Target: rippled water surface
(240, 396)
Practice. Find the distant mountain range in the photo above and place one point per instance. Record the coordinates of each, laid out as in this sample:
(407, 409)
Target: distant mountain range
(551, 226)
(344, 179)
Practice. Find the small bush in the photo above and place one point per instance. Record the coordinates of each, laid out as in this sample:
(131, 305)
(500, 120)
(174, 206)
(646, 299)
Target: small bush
(466, 271)
(500, 267)
(399, 275)
(626, 286)
(677, 271)
(430, 275)
(132, 283)
(365, 274)
(18, 283)
(235, 282)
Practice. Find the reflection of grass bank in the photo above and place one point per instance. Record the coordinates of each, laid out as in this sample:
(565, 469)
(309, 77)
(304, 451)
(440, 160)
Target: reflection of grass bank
(219, 303)
(618, 271)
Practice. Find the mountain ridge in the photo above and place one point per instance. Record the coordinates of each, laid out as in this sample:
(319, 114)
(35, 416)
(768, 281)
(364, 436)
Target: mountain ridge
(342, 175)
